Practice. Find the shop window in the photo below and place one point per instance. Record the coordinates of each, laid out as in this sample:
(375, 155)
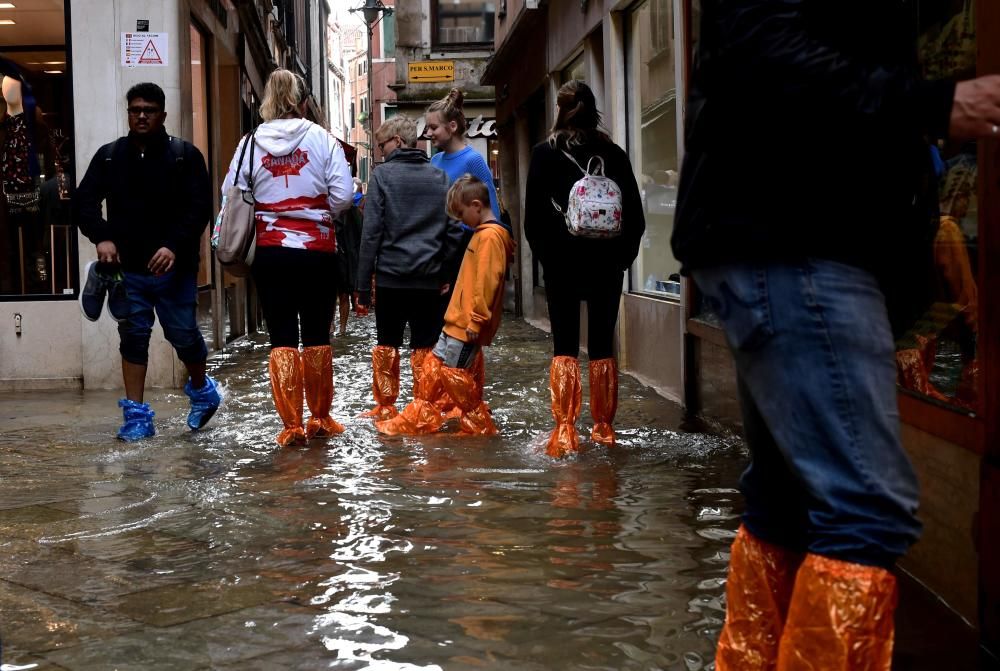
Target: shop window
(652, 118)
(464, 22)
(37, 240)
(939, 357)
(575, 70)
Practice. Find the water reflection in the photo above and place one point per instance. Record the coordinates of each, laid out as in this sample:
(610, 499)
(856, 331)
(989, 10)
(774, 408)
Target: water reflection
(215, 548)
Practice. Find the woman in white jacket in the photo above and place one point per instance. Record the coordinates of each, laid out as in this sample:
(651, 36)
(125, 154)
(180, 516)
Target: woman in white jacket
(301, 181)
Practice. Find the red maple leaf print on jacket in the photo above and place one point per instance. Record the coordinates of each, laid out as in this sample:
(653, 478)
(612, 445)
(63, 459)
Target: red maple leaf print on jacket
(283, 166)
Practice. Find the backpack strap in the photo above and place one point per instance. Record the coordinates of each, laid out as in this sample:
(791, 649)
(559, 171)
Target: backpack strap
(600, 166)
(176, 148)
(588, 171)
(570, 157)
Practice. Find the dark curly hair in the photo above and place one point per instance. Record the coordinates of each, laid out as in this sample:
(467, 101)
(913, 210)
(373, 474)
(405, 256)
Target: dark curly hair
(147, 91)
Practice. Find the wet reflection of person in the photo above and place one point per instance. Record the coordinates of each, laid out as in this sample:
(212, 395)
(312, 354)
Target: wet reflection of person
(831, 496)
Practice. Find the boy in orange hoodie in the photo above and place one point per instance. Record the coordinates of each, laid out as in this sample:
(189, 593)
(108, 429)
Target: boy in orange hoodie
(471, 321)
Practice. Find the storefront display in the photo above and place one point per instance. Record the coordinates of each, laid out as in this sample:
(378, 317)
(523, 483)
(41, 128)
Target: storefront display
(37, 243)
(938, 357)
(653, 142)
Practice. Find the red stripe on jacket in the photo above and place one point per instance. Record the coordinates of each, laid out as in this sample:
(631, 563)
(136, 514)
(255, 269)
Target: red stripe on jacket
(292, 204)
(320, 241)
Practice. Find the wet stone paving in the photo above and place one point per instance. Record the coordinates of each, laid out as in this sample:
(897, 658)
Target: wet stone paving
(219, 550)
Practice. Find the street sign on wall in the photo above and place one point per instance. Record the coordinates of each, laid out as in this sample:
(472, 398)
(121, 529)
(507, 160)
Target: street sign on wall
(144, 49)
(431, 72)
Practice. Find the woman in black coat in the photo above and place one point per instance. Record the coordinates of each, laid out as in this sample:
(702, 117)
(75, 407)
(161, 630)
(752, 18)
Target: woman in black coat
(580, 268)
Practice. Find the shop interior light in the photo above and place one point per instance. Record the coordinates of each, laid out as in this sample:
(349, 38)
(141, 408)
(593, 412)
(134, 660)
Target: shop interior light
(7, 22)
(53, 72)
(7, 5)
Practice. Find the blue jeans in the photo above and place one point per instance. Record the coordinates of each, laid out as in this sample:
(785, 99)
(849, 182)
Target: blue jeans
(816, 373)
(175, 298)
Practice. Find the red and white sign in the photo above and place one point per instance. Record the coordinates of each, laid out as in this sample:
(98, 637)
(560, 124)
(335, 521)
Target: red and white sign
(144, 49)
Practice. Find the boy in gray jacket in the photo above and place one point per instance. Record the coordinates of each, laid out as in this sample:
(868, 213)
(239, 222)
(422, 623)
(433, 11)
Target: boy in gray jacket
(407, 243)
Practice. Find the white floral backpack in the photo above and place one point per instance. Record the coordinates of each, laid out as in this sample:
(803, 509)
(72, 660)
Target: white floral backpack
(595, 203)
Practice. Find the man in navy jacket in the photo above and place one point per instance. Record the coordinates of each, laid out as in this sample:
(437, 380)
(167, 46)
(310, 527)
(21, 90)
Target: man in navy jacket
(159, 202)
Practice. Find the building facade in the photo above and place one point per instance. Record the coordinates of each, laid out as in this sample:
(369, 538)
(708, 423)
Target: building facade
(366, 115)
(636, 57)
(337, 82)
(78, 58)
(445, 45)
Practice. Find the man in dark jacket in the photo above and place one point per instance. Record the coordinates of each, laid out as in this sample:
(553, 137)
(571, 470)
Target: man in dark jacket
(805, 194)
(408, 244)
(158, 202)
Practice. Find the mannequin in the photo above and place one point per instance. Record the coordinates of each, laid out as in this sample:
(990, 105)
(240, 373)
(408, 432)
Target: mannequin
(12, 95)
(19, 172)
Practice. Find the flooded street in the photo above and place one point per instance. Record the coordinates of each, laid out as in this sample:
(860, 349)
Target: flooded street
(218, 549)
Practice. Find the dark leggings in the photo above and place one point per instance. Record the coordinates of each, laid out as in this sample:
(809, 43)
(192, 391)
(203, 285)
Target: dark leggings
(420, 308)
(296, 287)
(602, 298)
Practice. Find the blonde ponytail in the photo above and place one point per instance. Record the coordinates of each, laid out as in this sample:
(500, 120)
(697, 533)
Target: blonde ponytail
(283, 93)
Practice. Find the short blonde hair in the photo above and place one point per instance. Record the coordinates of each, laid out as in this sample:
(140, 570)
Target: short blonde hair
(283, 94)
(401, 125)
(466, 189)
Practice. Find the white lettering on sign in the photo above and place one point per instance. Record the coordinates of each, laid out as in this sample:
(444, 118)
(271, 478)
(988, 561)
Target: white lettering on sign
(144, 49)
(478, 127)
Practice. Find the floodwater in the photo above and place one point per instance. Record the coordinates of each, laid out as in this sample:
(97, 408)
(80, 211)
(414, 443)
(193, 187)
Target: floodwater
(217, 549)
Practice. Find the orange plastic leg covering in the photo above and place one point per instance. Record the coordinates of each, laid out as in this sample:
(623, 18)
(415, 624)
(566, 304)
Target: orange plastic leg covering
(385, 382)
(758, 591)
(564, 383)
(285, 369)
(478, 370)
(317, 370)
(462, 386)
(422, 415)
(603, 400)
(840, 618)
(417, 359)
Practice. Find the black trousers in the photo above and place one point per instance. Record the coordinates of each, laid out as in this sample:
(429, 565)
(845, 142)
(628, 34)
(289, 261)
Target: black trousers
(602, 295)
(420, 308)
(296, 287)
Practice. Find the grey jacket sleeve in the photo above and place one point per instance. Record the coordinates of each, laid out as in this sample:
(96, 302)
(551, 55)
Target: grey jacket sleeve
(371, 233)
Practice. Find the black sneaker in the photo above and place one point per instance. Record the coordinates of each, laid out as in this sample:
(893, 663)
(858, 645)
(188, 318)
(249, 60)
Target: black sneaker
(118, 305)
(95, 286)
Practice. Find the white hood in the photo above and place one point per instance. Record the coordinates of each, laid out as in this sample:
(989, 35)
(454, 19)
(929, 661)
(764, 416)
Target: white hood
(280, 137)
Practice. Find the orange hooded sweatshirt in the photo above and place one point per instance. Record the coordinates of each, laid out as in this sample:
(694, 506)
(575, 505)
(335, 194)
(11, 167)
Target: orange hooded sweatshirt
(477, 302)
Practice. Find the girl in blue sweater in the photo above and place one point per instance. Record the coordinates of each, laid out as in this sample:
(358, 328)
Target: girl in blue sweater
(446, 127)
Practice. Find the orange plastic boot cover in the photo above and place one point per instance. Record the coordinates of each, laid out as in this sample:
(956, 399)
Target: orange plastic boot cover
(385, 382)
(603, 400)
(317, 372)
(422, 415)
(417, 358)
(758, 591)
(478, 370)
(840, 618)
(285, 368)
(567, 397)
(445, 403)
(475, 418)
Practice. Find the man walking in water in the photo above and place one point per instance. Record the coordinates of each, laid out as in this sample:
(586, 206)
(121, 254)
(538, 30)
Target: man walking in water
(159, 201)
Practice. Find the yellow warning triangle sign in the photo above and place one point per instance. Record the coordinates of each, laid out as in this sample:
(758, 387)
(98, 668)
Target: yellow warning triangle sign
(150, 56)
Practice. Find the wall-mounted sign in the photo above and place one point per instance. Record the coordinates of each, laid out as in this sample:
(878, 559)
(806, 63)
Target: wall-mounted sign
(144, 49)
(142, 25)
(478, 127)
(431, 72)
